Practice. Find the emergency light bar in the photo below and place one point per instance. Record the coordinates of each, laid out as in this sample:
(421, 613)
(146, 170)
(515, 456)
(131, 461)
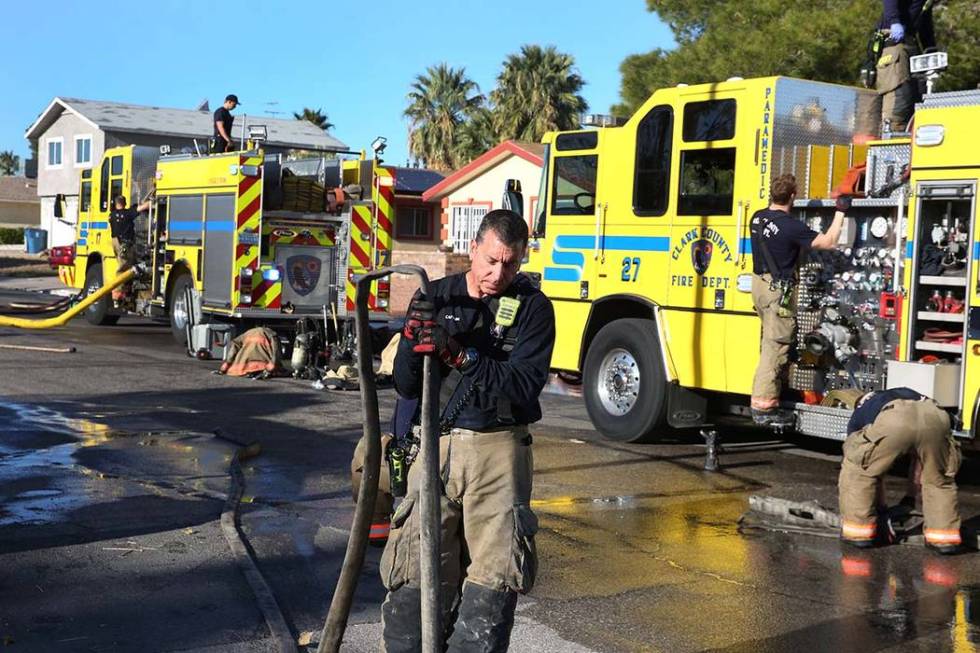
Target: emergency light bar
(602, 120)
(922, 64)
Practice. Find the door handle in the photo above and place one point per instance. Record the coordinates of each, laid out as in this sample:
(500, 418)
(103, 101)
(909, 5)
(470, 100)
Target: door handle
(739, 230)
(599, 215)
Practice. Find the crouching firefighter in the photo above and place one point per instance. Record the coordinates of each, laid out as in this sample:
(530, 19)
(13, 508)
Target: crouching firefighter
(884, 426)
(779, 243)
(493, 333)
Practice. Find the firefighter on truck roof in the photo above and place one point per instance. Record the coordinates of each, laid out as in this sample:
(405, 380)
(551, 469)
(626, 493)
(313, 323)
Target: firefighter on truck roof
(884, 426)
(779, 241)
(493, 333)
(908, 24)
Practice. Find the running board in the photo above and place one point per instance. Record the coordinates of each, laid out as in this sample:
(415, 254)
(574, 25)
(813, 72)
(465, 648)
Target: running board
(821, 421)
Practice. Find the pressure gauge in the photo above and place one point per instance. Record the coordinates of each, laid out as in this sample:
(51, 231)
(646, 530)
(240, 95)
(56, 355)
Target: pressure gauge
(831, 314)
(879, 227)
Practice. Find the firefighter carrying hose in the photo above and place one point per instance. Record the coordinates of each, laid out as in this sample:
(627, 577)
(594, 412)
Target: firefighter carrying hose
(884, 426)
(779, 241)
(493, 333)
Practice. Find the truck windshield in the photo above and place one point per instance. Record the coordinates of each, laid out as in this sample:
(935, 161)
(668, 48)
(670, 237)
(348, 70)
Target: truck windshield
(540, 221)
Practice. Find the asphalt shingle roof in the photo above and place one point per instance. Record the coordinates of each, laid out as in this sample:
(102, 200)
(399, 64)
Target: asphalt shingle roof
(18, 189)
(186, 123)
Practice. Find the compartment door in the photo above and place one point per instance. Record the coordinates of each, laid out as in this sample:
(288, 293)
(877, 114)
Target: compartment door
(219, 250)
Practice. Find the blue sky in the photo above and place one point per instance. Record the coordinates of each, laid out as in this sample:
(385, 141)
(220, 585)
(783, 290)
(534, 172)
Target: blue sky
(355, 60)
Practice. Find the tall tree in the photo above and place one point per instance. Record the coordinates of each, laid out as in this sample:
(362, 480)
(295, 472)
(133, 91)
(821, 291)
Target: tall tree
(477, 135)
(316, 116)
(440, 102)
(537, 91)
(822, 40)
(9, 163)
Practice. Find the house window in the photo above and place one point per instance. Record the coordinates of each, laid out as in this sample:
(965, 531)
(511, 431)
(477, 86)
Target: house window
(83, 150)
(413, 222)
(465, 222)
(54, 152)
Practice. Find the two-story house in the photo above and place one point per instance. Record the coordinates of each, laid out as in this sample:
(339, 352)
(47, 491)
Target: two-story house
(71, 134)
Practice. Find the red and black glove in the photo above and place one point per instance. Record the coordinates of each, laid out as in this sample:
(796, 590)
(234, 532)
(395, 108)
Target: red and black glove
(420, 313)
(433, 340)
(843, 203)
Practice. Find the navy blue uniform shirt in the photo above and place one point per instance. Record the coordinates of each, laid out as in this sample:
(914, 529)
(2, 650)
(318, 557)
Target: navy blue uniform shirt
(867, 412)
(909, 14)
(518, 376)
(786, 238)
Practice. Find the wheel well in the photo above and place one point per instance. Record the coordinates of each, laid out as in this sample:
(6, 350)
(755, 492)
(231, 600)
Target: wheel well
(93, 259)
(179, 268)
(610, 309)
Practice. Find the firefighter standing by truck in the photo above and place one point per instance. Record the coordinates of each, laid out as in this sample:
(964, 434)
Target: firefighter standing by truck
(884, 426)
(493, 333)
(907, 27)
(122, 226)
(778, 242)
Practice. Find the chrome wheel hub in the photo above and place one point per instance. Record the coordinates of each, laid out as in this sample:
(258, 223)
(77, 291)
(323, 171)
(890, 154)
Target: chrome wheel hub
(179, 311)
(619, 382)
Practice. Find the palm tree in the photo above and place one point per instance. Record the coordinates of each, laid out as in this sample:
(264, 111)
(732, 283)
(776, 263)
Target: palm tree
(439, 103)
(9, 163)
(537, 91)
(477, 135)
(316, 116)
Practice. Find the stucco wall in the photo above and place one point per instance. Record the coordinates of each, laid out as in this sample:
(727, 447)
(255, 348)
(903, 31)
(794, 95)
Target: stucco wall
(437, 265)
(64, 179)
(16, 214)
(488, 189)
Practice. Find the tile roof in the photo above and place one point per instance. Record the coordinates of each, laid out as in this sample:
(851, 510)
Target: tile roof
(18, 189)
(185, 123)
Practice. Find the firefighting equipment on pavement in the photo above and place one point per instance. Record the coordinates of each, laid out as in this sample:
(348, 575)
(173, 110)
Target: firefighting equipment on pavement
(487, 519)
(902, 426)
(343, 378)
(255, 352)
(59, 320)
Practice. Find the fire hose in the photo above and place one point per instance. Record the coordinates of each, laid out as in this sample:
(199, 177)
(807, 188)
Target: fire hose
(63, 318)
(428, 460)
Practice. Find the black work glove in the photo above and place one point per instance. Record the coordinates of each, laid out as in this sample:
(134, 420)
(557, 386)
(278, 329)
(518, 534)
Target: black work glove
(434, 340)
(420, 313)
(843, 203)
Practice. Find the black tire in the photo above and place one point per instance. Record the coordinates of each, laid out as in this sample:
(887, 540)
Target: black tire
(624, 383)
(178, 309)
(98, 313)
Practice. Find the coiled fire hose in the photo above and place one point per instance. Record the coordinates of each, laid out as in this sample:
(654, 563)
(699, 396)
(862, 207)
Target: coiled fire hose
(428, 460)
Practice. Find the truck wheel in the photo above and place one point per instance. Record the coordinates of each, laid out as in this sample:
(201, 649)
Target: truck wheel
(624, 383)
(98, 313)
(179, 310)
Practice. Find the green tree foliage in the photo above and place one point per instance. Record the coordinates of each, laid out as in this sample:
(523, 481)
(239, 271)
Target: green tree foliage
(439, 103)
(315, 116)
(9, 163)
(477, 135)
(823, 40)
(537, 91)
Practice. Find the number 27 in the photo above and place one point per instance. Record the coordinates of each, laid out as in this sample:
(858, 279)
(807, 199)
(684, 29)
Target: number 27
(631, 265)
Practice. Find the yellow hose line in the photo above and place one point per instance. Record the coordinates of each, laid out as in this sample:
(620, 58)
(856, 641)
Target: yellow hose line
(59, 320)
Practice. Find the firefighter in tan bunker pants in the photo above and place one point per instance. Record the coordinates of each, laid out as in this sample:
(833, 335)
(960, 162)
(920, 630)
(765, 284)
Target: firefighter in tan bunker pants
(884, 426)
(492, 333)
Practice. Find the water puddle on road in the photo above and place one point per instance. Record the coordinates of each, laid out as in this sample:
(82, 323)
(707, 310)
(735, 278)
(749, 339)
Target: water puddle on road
(53, 465)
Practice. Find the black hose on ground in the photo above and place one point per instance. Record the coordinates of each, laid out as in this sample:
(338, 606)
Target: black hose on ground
(336, 622)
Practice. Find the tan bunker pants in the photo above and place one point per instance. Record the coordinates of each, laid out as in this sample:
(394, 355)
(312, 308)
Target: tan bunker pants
(488, 533)
(384, 502)
(902, 426)
(777, 338)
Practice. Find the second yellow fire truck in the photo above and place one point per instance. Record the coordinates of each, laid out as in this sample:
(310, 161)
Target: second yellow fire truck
(243, 238)
(642, 242)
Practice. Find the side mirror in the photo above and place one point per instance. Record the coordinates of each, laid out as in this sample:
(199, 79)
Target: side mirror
(59, 205)
(513, 198)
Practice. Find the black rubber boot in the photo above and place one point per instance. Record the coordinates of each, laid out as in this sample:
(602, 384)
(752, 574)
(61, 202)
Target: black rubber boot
(401, 620)
(945, 549)
(485, 620)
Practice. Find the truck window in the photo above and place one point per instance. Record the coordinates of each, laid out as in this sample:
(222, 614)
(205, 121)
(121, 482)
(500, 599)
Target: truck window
(115, 188)
(573, 191)
(652, 176)
(707, 183)
(577, 141)
(117, 165)
(184, 219)
(711, 120)
(104, 186)
(85, 200)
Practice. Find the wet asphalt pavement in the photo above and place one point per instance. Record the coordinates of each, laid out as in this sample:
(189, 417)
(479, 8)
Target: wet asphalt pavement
(112, 484)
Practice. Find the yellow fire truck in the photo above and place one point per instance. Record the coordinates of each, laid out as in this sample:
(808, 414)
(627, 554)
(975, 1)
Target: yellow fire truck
(257, 239)
(642, 242)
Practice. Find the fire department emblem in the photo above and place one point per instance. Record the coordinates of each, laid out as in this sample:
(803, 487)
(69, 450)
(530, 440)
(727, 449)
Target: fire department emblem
(701, 255)
(303, 273)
